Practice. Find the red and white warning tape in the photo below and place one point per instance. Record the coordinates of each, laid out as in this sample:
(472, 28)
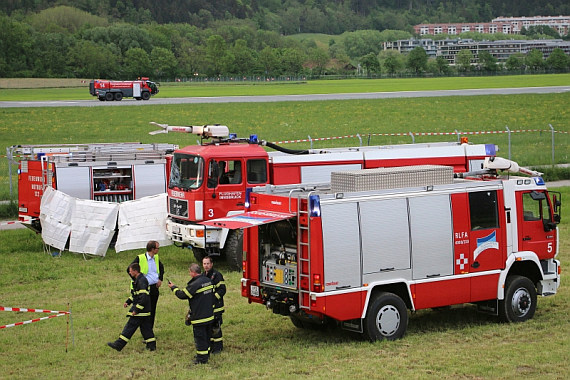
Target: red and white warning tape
(7, 223)
(415, 134)
(55, 313)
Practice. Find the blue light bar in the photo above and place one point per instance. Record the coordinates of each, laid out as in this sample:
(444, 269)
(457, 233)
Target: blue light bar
(539, 181)
(314, 205)
(253, 139)
(490, 149)
(233, 136)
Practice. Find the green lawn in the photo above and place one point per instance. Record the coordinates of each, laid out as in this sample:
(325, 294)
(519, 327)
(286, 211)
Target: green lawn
(445, 344)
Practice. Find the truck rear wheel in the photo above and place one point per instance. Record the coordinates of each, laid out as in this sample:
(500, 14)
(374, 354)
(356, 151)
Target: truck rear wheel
(233, 249)
(145, 95)
(118, 96)
(386, 318)
(109, 96)
(519, 303)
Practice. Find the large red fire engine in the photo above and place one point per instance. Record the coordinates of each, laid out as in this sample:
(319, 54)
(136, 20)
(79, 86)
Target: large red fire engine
(112, 172)
(374, 243)
(209, 180)
(117, 90)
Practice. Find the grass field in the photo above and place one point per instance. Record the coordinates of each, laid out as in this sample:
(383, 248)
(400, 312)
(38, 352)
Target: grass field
(445, 344)
(448, 344)
(74, 89)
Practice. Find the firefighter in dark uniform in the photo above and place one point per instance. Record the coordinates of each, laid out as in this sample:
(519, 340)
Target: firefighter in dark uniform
(200, 295)
(139, 313)
(153, 269)
(216, 340)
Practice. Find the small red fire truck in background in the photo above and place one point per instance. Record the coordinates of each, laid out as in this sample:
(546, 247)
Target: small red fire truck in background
(209, 180)
(371, 244)
(112, 172)
(117, 90)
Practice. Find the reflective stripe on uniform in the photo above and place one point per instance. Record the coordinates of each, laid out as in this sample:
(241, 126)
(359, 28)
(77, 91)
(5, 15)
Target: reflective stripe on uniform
(124, 338)
(220, 309)
(202, 352)
(205, 288)
(187, 292)
(197, 321)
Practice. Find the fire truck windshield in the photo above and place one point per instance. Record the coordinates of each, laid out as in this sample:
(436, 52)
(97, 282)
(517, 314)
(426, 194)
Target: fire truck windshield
(186, 171)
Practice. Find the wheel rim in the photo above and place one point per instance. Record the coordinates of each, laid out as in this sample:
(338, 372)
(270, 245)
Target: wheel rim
(388, 320)
(521, 302)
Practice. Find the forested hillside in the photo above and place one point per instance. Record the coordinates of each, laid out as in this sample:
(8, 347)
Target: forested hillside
(167, 39)
(301, 16)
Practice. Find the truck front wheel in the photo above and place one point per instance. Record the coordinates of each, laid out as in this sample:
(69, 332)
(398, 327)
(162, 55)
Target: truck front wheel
(199, 254)
(233, 249)
(387, 318)
(519, 303)
(145, 95)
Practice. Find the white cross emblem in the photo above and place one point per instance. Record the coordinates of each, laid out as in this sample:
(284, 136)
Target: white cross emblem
(461, 261)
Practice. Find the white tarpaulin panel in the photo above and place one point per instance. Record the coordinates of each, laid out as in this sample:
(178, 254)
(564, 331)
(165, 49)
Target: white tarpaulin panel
(92, 226)
(56, 209)
(142, 220)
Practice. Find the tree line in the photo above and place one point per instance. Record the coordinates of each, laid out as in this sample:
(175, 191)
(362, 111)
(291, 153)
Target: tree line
(66, 41)
(288, 17)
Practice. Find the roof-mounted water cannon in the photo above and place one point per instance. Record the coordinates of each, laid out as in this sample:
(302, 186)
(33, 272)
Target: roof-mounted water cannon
(499, 163)
(205, 131)
(492, 164)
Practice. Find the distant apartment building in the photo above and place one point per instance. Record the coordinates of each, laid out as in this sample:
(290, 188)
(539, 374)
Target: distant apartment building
(558, 23)
(430, 46)
(501, 50)
(505, 25)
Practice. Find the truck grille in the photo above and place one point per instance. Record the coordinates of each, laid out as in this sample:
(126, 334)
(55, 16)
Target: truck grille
(178, 207)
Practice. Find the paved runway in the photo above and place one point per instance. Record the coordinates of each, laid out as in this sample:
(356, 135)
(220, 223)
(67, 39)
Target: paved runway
(288, 98)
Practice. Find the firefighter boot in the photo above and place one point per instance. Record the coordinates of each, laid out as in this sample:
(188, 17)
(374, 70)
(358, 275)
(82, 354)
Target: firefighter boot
(151, 346)
(116, 345)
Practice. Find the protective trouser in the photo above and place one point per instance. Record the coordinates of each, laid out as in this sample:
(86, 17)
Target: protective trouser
(202, 341)
(216, 339)
(131, 326)
(154, 294)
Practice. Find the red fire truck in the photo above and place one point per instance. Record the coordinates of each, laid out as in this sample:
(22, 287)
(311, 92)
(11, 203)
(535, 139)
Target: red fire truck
(209, 180)
(117, 90)
(112, 172)
(374, 243)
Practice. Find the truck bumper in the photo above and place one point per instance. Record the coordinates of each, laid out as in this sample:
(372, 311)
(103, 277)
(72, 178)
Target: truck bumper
(195, 235)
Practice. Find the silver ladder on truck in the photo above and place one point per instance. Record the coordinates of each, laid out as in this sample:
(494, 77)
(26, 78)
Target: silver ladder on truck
(303, 247)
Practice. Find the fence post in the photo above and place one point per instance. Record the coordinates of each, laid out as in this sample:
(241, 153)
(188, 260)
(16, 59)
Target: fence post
(311, 141)
(413, 137)
(359, 138)
(458, 136)
(509, 139)
(369, 139)
(552, 132)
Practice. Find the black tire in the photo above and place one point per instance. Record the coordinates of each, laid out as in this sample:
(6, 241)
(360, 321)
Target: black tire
(233, 249)
(297, 322)
(386, 318)
(519, 304)
(109, 96)
(199, 254)
(118, 96)
(101, 98)
(145, 95)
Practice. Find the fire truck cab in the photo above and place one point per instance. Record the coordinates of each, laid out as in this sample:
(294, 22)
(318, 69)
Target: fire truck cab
(373, 244)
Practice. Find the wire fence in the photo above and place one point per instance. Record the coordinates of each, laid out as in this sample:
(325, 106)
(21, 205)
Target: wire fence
(549, 147)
